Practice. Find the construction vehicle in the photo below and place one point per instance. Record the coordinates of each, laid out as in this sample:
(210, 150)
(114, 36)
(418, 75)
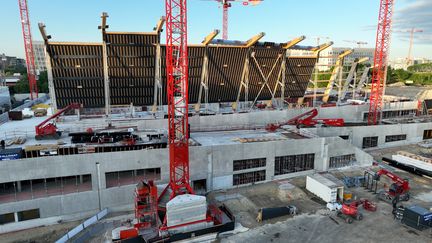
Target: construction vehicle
(349, 211)
(398, 189)
(307, 120)
(47, 129)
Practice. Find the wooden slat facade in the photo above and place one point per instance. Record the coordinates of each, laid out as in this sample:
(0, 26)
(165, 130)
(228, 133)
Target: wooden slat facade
(78, 71)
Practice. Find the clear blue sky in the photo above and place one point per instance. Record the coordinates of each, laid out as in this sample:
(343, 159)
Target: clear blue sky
(281, 20)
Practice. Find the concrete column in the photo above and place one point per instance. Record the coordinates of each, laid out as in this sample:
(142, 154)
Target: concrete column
(270, 167)
(81, 179)
(209, 171)
(18, 186)
(98, 184)
(16, 217)
(321, 162)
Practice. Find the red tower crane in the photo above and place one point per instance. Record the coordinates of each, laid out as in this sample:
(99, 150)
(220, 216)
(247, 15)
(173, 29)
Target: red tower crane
(227, 4)
(382, 47)
(177, 79)
(28, 45)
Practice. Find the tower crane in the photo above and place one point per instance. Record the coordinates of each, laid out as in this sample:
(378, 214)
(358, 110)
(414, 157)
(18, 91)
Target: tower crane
(409, 59)
(227, 4)
(382, 48)
(178, 102)
(359, 43)
(319, 38)
(28, 46)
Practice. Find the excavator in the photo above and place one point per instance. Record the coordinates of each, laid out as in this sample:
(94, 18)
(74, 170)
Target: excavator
(47, 129)
(307, 120)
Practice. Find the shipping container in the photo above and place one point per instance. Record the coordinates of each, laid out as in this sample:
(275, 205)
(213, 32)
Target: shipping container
(326, 187)
(10, 154)
(417, 217)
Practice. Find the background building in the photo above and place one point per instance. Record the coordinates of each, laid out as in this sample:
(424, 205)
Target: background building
(40, 58)
(329, 56)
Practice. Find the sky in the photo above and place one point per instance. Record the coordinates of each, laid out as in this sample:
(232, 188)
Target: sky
(281, 20)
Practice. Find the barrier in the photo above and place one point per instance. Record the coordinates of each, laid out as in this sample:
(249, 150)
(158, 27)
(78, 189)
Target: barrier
(73, 232)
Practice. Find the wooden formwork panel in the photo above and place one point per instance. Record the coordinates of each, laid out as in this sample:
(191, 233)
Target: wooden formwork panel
(77, 74)
(78, 71)
(131, 68)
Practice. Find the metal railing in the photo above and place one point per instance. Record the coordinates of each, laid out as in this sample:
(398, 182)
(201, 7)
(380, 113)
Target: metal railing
(69, 235)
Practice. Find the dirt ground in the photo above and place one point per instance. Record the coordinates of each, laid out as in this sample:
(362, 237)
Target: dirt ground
(315, 223)
(40, 234)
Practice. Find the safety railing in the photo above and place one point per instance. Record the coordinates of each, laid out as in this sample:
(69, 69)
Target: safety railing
(75, 231)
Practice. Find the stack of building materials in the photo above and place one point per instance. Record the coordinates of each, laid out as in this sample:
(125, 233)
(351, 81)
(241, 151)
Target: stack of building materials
(326, 187)
(413, 161)
(417, 217)
(184, 209)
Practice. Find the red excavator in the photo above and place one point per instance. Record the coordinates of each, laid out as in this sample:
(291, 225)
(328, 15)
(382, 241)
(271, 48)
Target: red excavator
(48, 130)
(399, 188)
(307, 120)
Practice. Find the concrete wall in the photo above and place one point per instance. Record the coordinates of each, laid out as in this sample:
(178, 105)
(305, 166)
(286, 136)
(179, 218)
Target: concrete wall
(414, 132)
(351, 113)
(213, 163)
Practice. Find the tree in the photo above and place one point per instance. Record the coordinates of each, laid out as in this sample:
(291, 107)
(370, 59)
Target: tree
(22, 86)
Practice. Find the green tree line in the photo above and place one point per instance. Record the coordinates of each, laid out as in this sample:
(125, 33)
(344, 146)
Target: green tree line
(22, 86)
(419, 74)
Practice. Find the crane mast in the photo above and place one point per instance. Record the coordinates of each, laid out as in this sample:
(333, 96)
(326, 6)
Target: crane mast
(379, 74)
(28, 46)
(177, 78)
(225, 7)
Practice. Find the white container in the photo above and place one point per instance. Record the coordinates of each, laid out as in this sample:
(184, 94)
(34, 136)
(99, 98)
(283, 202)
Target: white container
(328, 188)
(186, 208)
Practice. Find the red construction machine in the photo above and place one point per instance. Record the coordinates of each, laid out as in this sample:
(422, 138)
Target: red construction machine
(307, 120)
(47, 129)
(398, 189)
(349, 211)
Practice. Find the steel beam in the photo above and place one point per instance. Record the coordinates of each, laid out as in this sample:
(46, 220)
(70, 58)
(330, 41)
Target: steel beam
(335, 73)
(293, 42)
(205, 73)
(265, 78)
(350, 77)
(107, 94)
(210, 37)
(281, 79)
(252, 41)
(51, 88)
(157, 95)
(244, 83)
(317, 52)
(203, 83)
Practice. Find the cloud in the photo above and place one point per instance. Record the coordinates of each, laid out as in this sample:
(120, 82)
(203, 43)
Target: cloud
(414, 14)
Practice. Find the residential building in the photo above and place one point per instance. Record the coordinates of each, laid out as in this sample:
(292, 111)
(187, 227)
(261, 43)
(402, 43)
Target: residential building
(39, 55)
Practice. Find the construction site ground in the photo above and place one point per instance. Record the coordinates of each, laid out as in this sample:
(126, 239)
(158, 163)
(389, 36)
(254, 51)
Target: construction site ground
(313, 223)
